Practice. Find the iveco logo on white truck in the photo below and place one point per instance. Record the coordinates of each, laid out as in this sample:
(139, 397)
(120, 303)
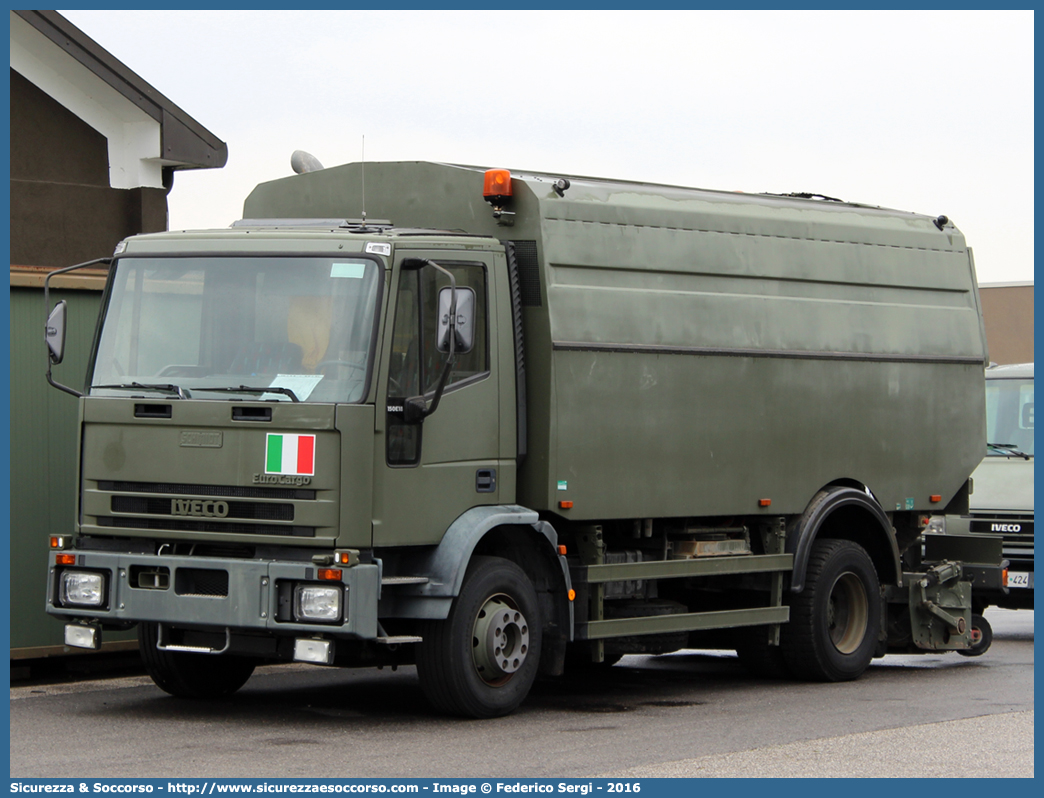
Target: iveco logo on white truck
(1005, 527)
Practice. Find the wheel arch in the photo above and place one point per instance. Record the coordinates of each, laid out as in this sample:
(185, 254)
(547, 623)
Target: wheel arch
(845, 511)
(509, 531)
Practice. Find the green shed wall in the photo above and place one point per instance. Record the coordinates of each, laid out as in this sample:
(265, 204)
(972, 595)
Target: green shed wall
(43, 459)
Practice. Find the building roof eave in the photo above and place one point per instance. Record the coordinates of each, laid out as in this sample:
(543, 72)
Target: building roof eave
(185, 143)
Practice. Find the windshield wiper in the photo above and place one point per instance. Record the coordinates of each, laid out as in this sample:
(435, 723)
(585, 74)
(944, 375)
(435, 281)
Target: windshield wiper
(248, 389)
(182, 393)
(1008, 448)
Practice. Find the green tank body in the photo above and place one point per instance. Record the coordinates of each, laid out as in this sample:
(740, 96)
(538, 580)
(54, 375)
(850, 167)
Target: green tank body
(690, 352)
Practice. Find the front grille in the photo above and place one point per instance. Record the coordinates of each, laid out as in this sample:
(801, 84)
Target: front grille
(1015, 531)
(221, 509)
(201, 582)
(203, 525)
(229, 491)
(250, 510)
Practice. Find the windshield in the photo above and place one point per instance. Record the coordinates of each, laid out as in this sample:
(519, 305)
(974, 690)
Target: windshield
(1009, 417)
(220, 327)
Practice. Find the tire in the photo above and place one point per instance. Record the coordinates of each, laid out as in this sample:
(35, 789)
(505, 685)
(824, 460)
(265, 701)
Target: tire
(758, 657)
(834, 621)
(482, 660)
(191, 675)
(982, 638)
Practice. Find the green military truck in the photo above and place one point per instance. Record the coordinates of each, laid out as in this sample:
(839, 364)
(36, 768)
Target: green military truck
(492, 423)
(1001, 503)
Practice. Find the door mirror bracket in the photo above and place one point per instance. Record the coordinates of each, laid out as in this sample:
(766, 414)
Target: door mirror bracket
(54, 327)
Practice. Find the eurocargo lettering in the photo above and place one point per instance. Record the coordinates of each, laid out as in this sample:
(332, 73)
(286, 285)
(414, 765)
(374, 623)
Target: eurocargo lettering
(506, 423)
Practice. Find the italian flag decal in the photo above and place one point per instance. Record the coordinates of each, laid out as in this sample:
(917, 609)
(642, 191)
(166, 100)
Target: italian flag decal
(290, 454)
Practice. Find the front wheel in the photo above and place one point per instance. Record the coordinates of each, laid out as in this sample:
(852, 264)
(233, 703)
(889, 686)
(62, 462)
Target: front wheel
(191, 675)
(834, 621)
(482, 660)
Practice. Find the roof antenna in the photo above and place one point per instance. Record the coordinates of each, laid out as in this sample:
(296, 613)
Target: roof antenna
(364, 179)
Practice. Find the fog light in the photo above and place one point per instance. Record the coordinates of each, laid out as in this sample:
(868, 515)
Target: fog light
(82, 636)
(82, 588)
(320, 651)
(317, 603)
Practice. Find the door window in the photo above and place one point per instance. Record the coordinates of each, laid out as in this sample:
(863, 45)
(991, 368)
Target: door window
(415, 359)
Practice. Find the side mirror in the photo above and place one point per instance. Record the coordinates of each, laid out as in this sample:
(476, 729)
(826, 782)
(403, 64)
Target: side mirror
(465, 320)
(54, 332)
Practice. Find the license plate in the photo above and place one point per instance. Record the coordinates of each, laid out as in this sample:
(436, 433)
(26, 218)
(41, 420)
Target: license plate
(1018, 579)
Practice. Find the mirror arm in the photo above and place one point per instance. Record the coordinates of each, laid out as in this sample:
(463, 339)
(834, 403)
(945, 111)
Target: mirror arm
(47, 310)
(415, 409)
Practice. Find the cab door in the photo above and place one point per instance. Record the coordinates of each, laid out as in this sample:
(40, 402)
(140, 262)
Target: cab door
(428, 473)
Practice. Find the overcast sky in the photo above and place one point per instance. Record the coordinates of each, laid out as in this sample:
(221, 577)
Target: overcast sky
(929, 112)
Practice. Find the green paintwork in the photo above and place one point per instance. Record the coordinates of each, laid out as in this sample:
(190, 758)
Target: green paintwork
(416, 505)
(43, 458)
(684, 622)
(937, 613)
(813, 341)
(119, 447)
(688, 353)
(700, 566)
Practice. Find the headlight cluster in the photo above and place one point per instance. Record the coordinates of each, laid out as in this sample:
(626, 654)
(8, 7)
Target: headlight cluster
(318, 603)
(936, 525)
(82, 589)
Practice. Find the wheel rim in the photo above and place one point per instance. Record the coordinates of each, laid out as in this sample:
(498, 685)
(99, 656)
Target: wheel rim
(499, 640)
(847, 613)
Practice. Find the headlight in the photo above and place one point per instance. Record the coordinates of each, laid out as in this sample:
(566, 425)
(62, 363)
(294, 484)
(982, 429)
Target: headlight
(82, 588)
(936, 525)
(317, 603)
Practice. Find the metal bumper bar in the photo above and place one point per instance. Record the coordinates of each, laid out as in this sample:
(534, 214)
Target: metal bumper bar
(250, 601)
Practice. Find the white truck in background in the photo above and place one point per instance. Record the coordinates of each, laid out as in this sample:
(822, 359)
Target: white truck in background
(1001, 503)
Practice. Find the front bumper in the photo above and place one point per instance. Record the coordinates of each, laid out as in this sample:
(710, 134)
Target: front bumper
(233, 594)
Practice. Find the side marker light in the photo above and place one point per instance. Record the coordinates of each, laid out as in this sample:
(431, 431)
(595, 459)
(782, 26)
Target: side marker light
(935, 498)
(572, 595)
(562, 550)
(330, 573)
(764, 502)
(566, 505)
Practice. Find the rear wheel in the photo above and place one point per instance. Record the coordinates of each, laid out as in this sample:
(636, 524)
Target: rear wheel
(191, 675)
(482, 660)
(834, 621)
